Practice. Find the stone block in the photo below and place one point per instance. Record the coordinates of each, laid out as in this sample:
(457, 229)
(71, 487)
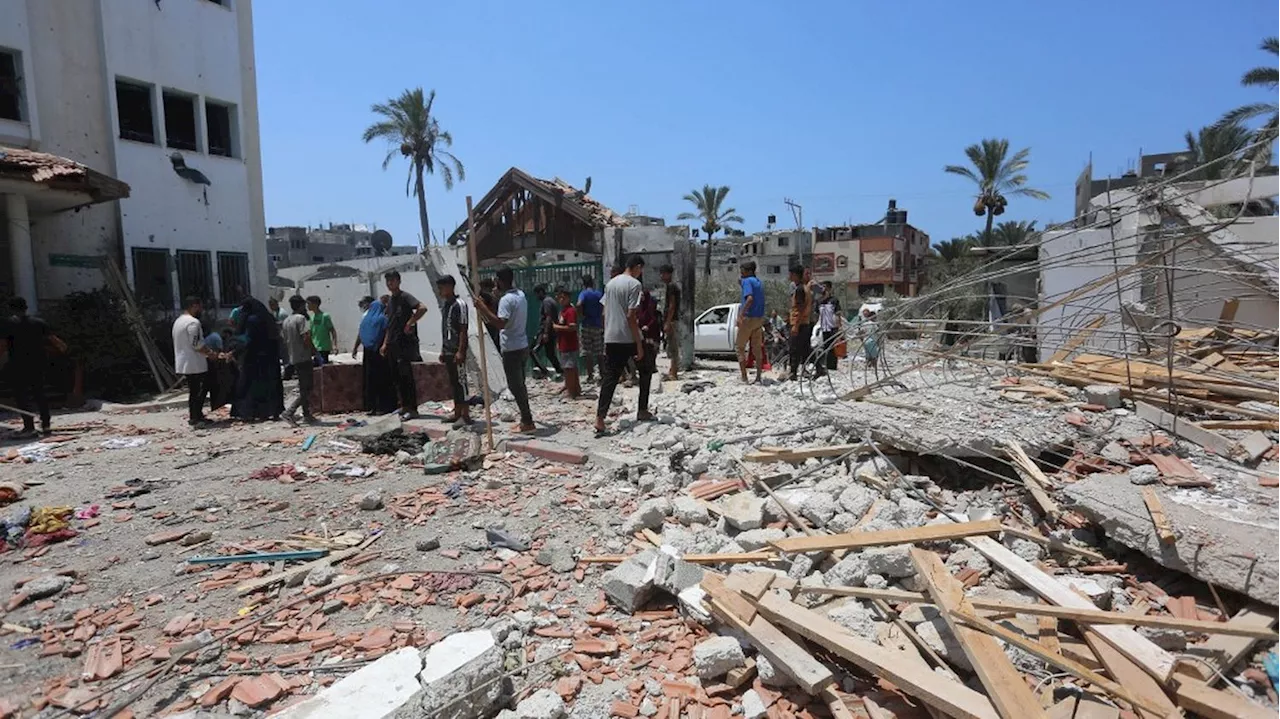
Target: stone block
(755, 539)
(715, 656)
(743, 510)
(690, 511)
(630, 584)
(548, 450)
(1105, 395)
(371, 692)
(460, 678)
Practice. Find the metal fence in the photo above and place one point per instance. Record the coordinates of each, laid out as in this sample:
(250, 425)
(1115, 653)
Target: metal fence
(567, 275)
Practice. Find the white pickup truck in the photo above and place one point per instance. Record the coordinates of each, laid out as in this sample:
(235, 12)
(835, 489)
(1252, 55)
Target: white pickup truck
(715, 331)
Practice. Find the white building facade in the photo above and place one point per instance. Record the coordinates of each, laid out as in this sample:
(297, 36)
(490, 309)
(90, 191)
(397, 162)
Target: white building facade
(162, 95)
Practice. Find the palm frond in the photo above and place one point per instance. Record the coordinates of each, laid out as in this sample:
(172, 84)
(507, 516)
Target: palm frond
(686, 215)
(1271, 45)
(1246, 112)
(1261, 77)
(962, 171)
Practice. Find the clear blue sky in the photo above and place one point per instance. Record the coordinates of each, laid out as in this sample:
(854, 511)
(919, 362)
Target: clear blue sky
(837, 104)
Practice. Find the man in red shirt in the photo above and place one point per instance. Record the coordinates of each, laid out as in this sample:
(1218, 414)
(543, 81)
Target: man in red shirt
(566, 332)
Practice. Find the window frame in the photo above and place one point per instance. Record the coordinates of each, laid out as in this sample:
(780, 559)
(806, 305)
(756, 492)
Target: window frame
(227, 284)
(150, 292)
(233, 129)
(179, 256)
(19, 87)
(133, 135)
(168, 93)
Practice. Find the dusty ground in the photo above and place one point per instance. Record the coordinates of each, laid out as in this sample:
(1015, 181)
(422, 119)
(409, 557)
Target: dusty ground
(147, 600)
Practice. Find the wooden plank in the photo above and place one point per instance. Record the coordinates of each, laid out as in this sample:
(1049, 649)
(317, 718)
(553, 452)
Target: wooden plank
(788, 656)
(1260, 424)
(1126, 639)
(751, 584)
(1224, 651)
(1198, 697)
(728, 606)
(1054, 545)
(1079, 652)
(886, 537)
(1048, 633)
(1164, 530)
(1033, 479)
(1080, 337)
(835, 703)
(1092, 616)
(1004, 684)
(1131, 676)
(783, 651)
(797, 455)
(1080, 672)
(937, 691)
(1187, 430)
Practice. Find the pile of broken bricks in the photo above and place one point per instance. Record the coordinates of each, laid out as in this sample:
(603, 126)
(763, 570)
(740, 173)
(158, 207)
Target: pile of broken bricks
(906, 605)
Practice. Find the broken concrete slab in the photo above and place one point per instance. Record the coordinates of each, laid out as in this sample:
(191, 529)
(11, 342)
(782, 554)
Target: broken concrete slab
(716, 655)
(461, 677)
(372, 692)
(373, 429)
(630, 584)
(743, 510)
(1231, 542)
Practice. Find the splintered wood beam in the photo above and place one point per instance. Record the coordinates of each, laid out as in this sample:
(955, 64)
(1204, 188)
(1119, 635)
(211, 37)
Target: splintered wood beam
(1136, 680)
(935, 690)
(1077, 670)
(1153, 659)
(1083, 616)
(1164, 530)
(1003, 682)
(853, 540)
(1033, 479)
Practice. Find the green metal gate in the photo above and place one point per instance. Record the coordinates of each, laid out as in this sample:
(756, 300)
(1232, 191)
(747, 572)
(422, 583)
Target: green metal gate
(567, 275)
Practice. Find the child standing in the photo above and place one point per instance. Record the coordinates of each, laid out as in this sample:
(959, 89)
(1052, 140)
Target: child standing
(567, 343)
(323, 335)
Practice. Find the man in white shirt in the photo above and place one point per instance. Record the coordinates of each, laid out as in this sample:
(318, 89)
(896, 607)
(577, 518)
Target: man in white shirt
(513, 310)
(622, 338)
(190, 358)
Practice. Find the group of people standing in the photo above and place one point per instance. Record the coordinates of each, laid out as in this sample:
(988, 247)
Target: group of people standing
(241, 364)
(619, 330)
(810, 302)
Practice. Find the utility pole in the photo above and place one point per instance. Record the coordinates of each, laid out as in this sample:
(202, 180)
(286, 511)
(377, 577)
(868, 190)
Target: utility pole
(797, 212)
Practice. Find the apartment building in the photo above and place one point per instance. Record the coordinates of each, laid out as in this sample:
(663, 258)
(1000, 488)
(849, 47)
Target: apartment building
(158, 94)
(872, 259)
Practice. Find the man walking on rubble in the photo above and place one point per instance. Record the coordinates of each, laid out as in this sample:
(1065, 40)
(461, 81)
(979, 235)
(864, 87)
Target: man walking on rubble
(623, 340)
(801, 311)
(453, 347)
(590, 318)
(400, 346)
(671, 319)
(191, 359)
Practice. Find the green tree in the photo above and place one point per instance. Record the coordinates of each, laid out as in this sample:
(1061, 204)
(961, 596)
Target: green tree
(411, 131)
(998, 177)
(952, 249)
(1218, 150)
(1266, 77)
(708, 201)
(1014, 233)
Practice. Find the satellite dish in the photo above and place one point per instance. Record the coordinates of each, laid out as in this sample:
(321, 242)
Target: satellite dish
(381, 242)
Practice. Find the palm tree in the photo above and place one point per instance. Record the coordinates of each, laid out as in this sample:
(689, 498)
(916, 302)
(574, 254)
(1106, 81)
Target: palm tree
(1014, 234)
(708, 201)
(410, 130)
(1268, 78)
(1217, 150)
(997, 175)
(951, 250)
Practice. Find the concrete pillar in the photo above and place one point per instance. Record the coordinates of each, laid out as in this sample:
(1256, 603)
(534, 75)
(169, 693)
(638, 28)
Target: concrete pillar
(684, 259)
(21, 255)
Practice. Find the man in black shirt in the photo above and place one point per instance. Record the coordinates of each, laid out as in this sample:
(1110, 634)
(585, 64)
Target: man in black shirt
(401, 344)
(549, 316)
(26, 340)
(453, 346)
(671, 319)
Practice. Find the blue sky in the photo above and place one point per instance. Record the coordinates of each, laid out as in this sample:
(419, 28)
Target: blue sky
(839, 105)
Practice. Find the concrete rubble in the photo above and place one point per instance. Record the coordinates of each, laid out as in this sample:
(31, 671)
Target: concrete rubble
(652, 573)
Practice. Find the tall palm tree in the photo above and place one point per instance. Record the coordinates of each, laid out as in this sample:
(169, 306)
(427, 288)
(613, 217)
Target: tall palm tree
(411, 131)
(997, 175)
(1266, 77)
(708, 201)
